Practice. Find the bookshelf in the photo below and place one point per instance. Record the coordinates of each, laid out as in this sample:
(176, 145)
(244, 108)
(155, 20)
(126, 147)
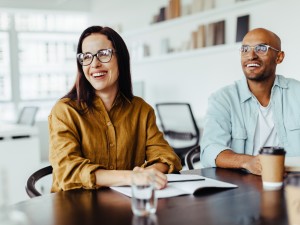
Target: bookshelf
(191, 75)
(173, 38)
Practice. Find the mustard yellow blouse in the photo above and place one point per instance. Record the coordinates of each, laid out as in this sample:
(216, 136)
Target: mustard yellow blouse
(125, 137)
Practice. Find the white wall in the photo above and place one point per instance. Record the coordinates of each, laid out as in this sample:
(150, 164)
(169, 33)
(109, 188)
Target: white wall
(194, 78)
(126, 15)
(65, 5)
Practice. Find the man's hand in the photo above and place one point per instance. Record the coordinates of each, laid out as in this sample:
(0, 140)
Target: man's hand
(230, 159)
(253, 165)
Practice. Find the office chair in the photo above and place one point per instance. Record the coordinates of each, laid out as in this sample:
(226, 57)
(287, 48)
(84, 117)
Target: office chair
(36, 176)
(27, 115)
(179, 126)
(191, 155)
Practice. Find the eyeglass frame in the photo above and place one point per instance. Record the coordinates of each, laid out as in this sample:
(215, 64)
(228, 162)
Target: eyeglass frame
(111, 51)
(253, 47)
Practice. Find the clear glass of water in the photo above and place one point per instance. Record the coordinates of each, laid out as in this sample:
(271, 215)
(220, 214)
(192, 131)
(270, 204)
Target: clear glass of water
(143, 201)
(145, 220)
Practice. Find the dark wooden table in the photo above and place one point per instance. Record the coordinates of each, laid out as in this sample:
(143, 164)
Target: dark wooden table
(245, 205)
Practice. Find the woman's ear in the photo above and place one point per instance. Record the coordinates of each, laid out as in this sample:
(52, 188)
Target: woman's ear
(280, 57)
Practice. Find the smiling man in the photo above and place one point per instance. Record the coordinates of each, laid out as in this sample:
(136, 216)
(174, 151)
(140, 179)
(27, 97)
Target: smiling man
(263, 109)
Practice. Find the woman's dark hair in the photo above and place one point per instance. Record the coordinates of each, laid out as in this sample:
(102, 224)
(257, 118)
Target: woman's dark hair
(83, 91)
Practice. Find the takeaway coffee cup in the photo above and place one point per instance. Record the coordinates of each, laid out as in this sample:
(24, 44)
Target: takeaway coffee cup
(272, 164)
(292, 197)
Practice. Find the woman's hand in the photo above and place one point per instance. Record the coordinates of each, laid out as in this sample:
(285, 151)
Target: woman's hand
(160, 178)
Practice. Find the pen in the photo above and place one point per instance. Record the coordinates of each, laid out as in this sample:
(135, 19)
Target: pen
(172, 181)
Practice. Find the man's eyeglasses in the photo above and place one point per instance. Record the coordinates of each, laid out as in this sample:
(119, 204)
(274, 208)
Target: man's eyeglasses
(103, 55)
(260, 49)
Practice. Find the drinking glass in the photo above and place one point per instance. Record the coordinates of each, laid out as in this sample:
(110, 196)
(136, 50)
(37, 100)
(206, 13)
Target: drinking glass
(145, 220)
(143, 201)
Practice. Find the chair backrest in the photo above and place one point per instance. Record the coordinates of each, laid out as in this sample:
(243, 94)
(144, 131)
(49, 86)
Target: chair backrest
(191, 155)
(178, 124)
(31, 182)
(27, 115)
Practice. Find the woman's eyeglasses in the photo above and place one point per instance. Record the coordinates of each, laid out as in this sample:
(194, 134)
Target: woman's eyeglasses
(103, 55)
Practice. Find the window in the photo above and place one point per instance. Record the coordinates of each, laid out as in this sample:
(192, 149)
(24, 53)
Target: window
(47, 49)
(37, 56)
(5, 81)
(47, 64)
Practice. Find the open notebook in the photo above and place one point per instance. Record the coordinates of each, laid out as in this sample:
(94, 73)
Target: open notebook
(182, 184)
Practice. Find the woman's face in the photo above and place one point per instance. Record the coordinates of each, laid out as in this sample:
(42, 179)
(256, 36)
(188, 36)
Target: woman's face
(102, 76)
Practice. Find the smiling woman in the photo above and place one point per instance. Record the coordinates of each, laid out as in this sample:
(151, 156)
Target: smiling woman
(100, 131)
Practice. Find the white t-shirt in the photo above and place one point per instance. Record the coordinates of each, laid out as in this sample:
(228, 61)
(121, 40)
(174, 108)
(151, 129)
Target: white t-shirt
(265, 132)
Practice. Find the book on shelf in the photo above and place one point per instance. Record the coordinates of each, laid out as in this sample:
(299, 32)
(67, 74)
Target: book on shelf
(214, 34)
(198, 37)
(242, 27)
(219, 33)
(183, 184)
(162, 14)
(194, 39)
(173, 9)
(209, 35)
(201, 36)
(177, 8)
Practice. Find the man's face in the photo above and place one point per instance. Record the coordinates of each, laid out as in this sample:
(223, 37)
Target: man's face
(259, 66)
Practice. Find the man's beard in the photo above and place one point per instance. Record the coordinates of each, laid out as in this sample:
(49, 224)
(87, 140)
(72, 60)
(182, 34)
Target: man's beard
(257, 77)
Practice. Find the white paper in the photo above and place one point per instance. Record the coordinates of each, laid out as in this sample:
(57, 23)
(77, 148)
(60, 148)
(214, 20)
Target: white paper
(182, 188)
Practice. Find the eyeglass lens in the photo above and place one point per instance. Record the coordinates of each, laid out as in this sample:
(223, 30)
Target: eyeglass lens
(258, 49)
(103, 56)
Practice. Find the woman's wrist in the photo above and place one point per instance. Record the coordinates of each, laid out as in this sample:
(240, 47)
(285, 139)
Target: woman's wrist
(162, 167)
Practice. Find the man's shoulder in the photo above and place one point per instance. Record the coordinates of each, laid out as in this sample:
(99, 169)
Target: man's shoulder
(290, 81)
(230, 90)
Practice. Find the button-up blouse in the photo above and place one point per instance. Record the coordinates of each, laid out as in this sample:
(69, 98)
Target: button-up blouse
(83, 141)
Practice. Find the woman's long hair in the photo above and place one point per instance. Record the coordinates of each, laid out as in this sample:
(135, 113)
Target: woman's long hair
(82, 91)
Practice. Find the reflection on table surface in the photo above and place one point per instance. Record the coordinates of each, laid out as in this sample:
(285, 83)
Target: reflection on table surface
(247, 204)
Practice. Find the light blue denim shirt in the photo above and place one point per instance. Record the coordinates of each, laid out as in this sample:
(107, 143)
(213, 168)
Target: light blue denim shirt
(232, 117)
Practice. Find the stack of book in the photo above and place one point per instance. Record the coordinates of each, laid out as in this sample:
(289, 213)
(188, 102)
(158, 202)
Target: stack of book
(171, 11)
(208, 35)
(175, 9)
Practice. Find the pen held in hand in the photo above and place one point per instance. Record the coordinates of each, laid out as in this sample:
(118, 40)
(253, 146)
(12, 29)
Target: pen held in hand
(172, 181)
